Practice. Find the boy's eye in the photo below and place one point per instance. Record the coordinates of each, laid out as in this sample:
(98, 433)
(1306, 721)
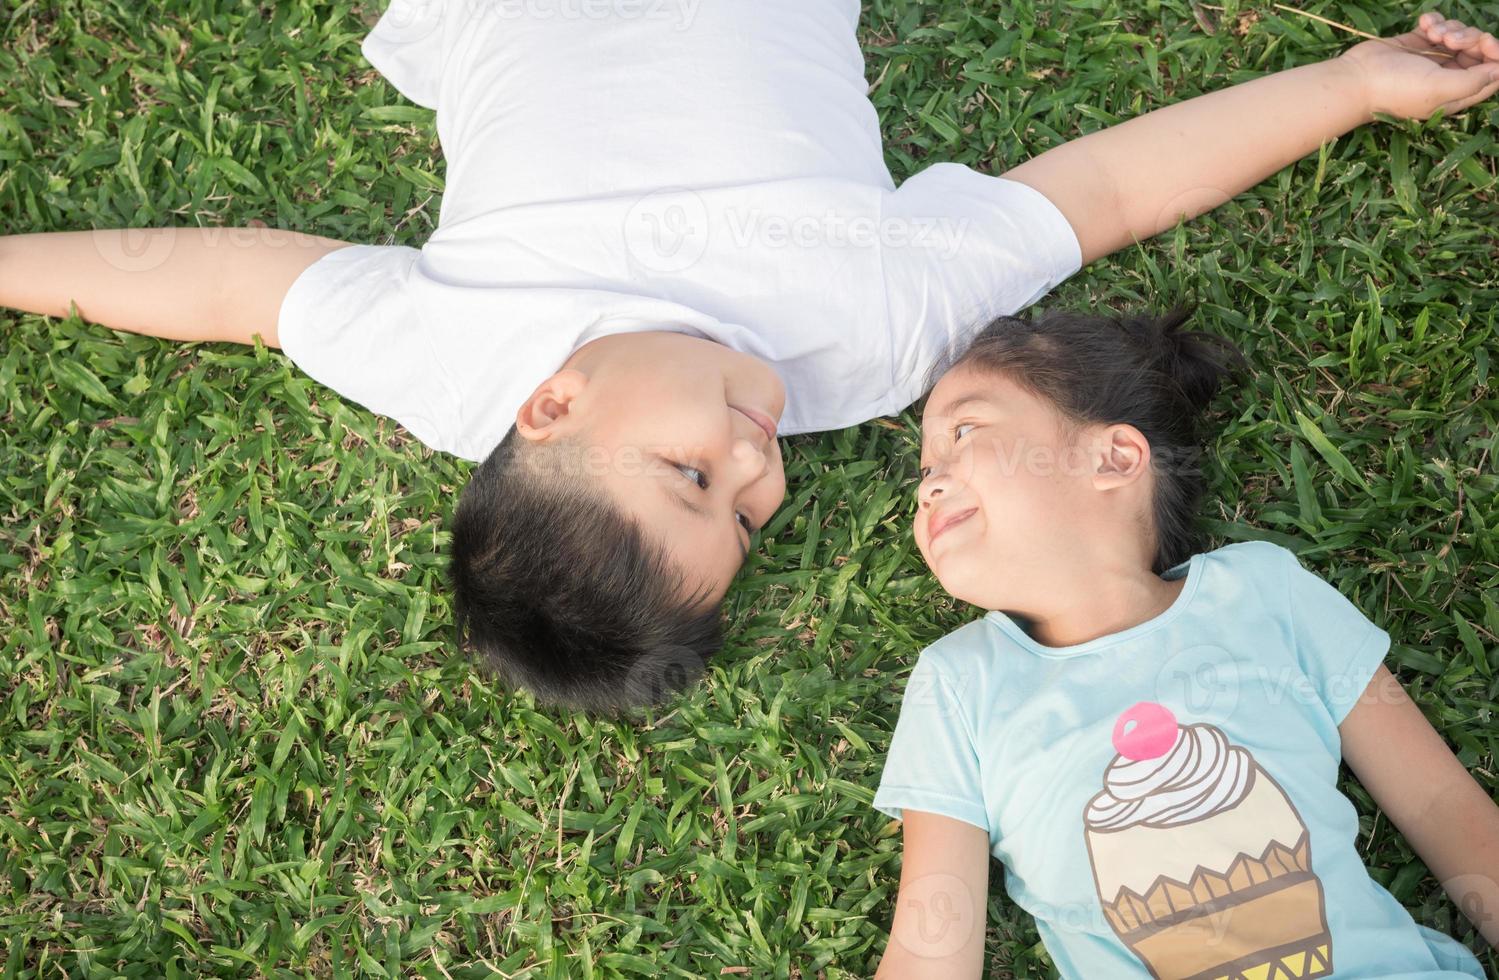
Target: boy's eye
(962, 425)
(696, 476)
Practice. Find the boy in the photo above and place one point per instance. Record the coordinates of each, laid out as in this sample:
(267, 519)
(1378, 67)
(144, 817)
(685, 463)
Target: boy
(668, 233)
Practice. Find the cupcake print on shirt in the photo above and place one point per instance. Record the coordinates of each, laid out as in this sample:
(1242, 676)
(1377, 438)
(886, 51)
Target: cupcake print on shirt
(1202, 863)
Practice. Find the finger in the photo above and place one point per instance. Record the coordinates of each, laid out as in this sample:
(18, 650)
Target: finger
(1429, 18)
(1469, 39)
(1460, 37)
(1481, 44)
(1442, 30)
(1489, 47)
(1464, 88)
(1485, 93)
(1439, 26)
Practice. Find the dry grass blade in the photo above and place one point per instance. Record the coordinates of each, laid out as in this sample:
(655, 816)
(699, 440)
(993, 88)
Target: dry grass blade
(1373, 37)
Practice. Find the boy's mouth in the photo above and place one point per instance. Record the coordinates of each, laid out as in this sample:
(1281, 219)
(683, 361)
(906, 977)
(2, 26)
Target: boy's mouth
(941, 522)
(764, 421)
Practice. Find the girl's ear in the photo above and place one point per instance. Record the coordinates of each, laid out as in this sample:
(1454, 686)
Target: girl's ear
(1121, 456)
(550, 409)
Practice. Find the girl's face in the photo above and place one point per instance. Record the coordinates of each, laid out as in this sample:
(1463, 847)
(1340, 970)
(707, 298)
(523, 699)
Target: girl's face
(1006, 484)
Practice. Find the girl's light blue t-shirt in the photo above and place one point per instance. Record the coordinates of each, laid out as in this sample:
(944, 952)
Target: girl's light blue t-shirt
(1164, 799)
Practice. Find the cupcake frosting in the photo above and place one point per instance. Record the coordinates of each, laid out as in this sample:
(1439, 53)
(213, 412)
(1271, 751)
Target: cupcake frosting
(1201, 774)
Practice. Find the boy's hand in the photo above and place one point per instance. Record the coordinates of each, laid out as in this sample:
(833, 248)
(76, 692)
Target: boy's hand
(193, 284)
(1412, 84)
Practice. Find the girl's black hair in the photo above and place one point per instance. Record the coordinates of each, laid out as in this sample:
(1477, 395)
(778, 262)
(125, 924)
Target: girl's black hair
(1138, 369)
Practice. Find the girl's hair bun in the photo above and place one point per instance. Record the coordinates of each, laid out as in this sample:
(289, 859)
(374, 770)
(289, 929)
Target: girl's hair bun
(1198, 363)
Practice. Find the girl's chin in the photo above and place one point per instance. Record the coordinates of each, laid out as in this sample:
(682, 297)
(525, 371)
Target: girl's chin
(974, 589)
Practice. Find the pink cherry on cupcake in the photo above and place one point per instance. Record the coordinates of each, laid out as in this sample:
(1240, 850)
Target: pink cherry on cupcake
(1145, 731)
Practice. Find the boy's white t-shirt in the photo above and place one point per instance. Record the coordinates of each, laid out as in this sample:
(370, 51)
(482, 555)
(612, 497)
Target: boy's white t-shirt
(711, 167)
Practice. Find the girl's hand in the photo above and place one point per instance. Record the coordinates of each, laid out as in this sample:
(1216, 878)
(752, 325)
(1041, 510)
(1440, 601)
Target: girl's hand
(1414, 84)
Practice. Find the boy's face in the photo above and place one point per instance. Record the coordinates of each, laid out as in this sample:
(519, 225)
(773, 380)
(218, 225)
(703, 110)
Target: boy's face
(674, 427)
(1003, 489)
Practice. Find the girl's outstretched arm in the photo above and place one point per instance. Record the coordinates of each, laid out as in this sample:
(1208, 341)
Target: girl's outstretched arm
(1426, 792)
(188, 284)
(1132, 181)
(938, 931)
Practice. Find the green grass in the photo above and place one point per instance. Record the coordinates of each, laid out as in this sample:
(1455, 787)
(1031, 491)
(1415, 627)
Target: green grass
(232, 740)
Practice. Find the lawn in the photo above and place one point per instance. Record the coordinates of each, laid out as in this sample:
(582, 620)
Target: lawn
(233, 740)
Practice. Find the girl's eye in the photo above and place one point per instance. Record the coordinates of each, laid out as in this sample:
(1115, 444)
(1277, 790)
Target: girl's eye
(956, 437)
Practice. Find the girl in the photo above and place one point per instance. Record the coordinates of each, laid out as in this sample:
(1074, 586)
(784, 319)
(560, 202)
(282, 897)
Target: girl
(1147, 738)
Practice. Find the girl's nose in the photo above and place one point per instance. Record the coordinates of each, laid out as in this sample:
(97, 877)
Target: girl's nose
(931, 488)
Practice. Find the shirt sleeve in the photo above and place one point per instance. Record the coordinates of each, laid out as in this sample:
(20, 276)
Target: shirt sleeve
(964, 248)
(1338, 648)
(409, 45)
(349, 322)
(933, 761)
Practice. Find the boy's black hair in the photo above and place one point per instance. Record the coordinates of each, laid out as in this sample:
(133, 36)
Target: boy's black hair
(1138, 369)
(560, 592)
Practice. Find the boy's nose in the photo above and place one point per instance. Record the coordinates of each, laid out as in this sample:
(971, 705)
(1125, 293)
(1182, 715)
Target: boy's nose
(749, 460)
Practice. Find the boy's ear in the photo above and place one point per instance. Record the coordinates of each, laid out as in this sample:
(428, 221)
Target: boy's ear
(1120, 457)
(548, 412)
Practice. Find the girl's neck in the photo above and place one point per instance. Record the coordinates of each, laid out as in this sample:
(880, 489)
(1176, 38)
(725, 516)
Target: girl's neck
(1099, 602)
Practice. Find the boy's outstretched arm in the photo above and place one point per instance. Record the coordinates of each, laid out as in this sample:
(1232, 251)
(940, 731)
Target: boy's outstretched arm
(1132, 181)
(189, 284)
